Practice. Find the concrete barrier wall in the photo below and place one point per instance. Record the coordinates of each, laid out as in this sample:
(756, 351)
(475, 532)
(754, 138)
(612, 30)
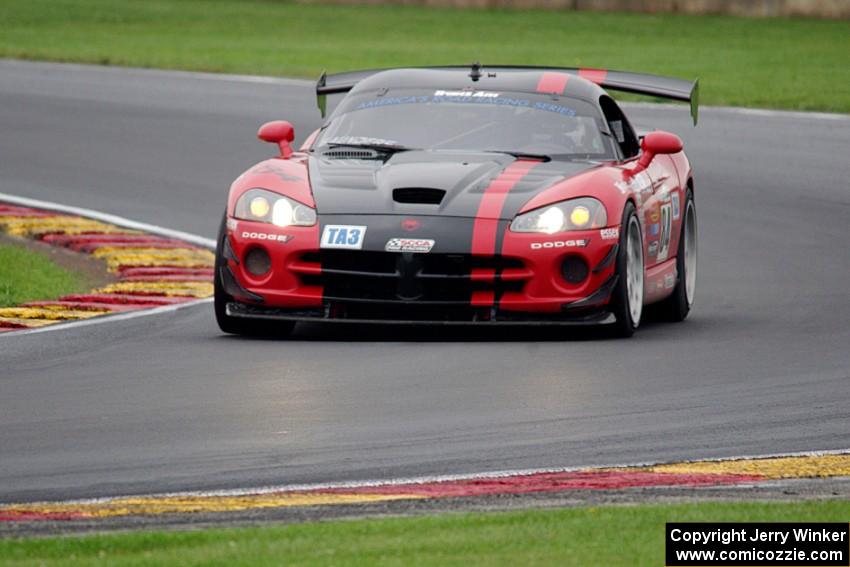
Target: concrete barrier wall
(839, 9)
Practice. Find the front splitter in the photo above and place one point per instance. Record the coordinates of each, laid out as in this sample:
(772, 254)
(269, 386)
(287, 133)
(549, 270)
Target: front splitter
(243, 311)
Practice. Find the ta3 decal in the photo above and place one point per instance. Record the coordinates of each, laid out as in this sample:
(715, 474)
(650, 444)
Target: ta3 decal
(577, 243)
(420, 245)
(343, 236)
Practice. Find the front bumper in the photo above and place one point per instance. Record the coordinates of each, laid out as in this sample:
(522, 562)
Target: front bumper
(524, 284)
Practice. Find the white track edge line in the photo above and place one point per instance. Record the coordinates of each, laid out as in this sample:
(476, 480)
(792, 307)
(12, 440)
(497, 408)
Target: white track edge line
(106, 318)
(423, 479)
(118, 221)
(109, 218)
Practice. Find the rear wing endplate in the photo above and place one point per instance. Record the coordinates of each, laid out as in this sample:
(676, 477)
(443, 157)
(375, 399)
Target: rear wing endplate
(624, 81)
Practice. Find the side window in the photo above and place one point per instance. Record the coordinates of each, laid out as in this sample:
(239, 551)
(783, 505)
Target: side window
(620, 127)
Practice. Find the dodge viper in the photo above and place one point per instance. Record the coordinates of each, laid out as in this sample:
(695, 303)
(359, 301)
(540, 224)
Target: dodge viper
(464, 195)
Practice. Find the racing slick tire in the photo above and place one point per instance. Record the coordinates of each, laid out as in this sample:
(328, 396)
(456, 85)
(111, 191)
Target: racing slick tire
(235, 325)
(676, 307)
(627, 297)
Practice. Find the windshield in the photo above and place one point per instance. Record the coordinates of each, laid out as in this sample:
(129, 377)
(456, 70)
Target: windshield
(560, 127)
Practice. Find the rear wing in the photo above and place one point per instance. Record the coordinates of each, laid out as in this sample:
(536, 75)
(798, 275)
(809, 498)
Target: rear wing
(624, 81)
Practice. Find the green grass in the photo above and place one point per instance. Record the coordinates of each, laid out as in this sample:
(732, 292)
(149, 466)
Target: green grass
(615, 535)
(29, 276)
(782, 63)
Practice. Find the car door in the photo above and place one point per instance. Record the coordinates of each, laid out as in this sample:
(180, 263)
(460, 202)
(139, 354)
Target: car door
(661, 213)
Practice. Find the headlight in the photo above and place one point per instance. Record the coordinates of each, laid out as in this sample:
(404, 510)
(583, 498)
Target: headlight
(576, 214)
(264, 206)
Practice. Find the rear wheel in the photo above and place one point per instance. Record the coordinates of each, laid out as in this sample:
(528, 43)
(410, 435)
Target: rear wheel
(236, 325)
(676, 307)
(627, 297)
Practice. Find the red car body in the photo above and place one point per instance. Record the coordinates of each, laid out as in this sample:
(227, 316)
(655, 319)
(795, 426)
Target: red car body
(479, 268)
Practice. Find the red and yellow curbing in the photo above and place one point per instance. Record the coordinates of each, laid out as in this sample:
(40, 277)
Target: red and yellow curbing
(152, 270)
(687, 474)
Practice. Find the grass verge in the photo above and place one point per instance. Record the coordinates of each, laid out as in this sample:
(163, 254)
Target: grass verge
(26, 275)
(614, 535)
(781, 63)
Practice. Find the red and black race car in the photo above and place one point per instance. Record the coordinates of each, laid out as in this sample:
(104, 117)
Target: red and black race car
(464, 195)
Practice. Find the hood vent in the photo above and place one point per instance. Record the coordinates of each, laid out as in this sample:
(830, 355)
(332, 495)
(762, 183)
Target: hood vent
(350, 154)
(418, 195)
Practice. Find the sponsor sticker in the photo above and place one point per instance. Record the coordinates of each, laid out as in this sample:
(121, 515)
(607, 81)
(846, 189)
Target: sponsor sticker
(676, 212)
(343, 236)
(653, 248)
(666, 232)
(669, 280)
(471, 94)
(637, 183)
(362, 140)
(419, 245)
(264, 168)
(610, 233)
(654, 229)
(654, 215)
(577, 243)
(267, 236)
(232, 224)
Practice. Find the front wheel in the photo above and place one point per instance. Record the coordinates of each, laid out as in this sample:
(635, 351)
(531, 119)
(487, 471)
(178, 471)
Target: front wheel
(627, 297)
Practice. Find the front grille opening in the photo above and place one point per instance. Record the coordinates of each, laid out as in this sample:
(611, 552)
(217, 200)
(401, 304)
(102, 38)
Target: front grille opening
(310, 279)
(418, 195)
(395, 277)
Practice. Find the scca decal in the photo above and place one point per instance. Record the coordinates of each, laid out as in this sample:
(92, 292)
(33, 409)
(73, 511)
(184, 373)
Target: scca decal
(422, 245)
(578, 243)
(266, 236)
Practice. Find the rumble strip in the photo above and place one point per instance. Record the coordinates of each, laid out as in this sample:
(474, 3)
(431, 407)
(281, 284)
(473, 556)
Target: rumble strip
(152, 270)
(693, 474)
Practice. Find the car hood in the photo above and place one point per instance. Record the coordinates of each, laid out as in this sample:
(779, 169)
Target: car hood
(346, 186)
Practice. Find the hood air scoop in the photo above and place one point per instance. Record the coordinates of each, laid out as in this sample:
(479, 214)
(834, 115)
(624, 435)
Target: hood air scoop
(418, 195)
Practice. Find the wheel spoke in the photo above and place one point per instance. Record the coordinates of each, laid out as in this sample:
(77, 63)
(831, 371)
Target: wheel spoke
(690, 263)
(634, 270)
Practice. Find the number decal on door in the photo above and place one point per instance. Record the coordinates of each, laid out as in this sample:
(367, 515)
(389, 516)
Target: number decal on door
(666, 232)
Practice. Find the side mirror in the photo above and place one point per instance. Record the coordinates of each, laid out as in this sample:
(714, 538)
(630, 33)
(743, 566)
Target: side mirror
(657, 143)
(278, 132)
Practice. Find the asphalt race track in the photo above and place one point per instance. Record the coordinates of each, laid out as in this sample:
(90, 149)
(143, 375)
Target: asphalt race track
(167, 402)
